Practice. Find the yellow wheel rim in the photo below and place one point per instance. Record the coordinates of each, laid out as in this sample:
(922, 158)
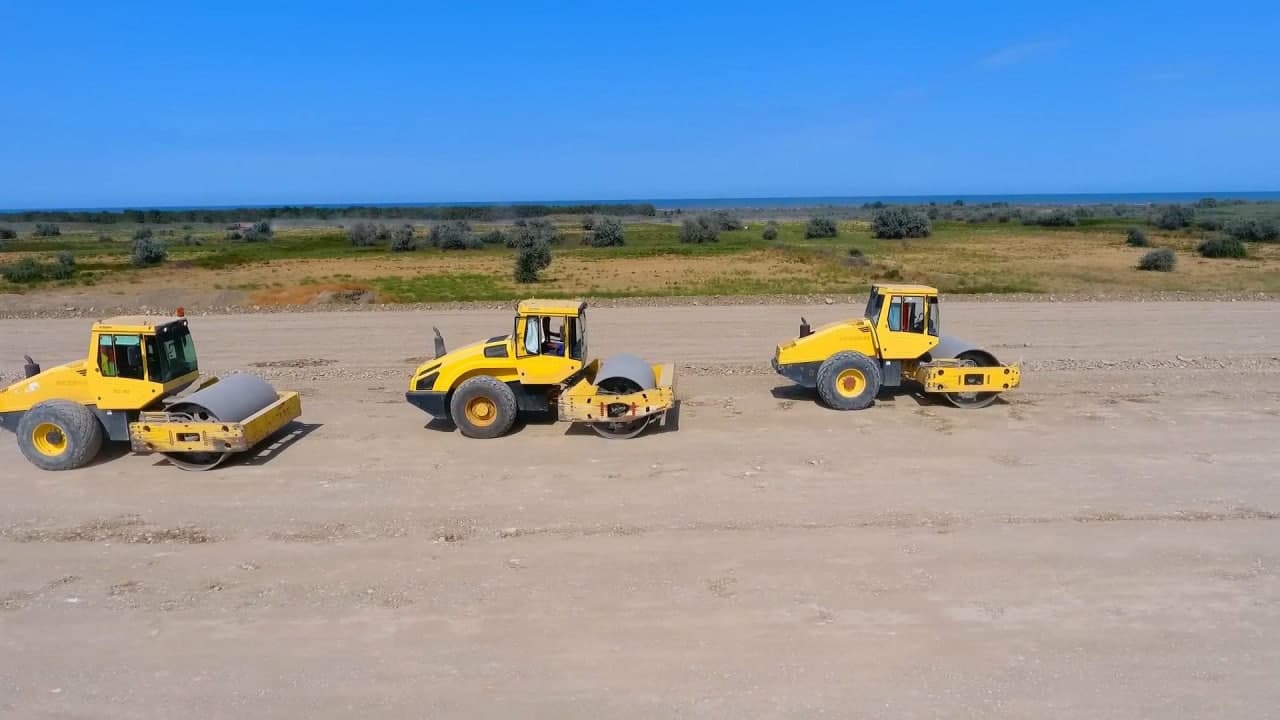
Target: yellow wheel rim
(49, 439)
(850, 383)
(482, 412)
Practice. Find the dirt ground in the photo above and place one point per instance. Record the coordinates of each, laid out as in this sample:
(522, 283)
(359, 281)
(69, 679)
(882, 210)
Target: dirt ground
(1106, 543)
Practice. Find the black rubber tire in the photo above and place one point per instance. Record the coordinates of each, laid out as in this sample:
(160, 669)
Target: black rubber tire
(503, 399)
(830, 370)
(77, 424)
(979, 400)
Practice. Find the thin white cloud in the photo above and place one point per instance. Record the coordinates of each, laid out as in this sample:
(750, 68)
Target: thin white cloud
(1017, 54)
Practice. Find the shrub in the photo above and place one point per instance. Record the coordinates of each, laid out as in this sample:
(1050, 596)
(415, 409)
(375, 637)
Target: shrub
(402, 240)
(454, 235)
(1135, 237)
(147, 251)
(29, 270)
(46, 230)
(770, 231)
(900, 222)
(104, 238)
(258, 232)
(192, 240)
(24, 270)
(1160, 260)
(1209, 223)
(367, 234)
(7, 233)
(1254, 230)
(530, 232)
(701, 229)
(1207, 202)
(726, 220)
(1222, 247)
(821, 227)
(142, 233)
(1174, 217)
(607, 232)
(532, 259)
(588, 222)
(493, 237)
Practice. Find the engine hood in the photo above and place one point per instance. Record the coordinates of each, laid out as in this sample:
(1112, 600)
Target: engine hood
(825, 340)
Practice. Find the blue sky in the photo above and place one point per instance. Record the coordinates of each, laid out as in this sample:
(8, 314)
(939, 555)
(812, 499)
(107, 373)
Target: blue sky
(153, 104)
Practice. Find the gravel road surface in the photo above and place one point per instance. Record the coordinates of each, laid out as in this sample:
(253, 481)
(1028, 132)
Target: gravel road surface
(1103, 543)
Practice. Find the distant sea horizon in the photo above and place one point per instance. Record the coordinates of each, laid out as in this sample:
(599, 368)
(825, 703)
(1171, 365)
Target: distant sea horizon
(1135, 198)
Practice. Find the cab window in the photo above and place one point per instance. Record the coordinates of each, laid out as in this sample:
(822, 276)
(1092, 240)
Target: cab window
(935, 321)
(532, 336)
(907, 314)
(121, 356)
(874, 304)
(545, 335)
(553, 336)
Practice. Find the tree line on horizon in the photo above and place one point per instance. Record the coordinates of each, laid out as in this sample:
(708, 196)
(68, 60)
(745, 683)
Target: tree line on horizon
(298, 212)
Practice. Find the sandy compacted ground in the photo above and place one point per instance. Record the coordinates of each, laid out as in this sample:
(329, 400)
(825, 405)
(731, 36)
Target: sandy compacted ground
(1104, 543)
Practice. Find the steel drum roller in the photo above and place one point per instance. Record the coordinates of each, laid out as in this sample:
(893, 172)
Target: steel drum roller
(232, 399)
(623, 374)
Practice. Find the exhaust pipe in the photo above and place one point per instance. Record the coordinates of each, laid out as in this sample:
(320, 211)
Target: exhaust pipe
(32, 368)
(439, 341)
(804, 327)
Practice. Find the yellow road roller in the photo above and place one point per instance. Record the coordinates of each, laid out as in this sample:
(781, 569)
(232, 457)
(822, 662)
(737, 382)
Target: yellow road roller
(542, 366)
(140, 384)
(899, 338)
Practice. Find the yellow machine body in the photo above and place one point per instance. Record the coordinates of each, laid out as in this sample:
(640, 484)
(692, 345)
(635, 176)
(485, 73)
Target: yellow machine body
(543, 366)
(898, 339)
(135, 365)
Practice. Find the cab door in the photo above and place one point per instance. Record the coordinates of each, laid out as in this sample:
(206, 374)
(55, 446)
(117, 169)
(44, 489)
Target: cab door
(119, 373)
(903, 328)
(543, 347)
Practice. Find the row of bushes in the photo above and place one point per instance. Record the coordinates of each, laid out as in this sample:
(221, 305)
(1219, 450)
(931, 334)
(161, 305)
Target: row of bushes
(1218, 246)
(294, 212)
(41, 230)
(458, 235)
(1165, 260)
(29, 270)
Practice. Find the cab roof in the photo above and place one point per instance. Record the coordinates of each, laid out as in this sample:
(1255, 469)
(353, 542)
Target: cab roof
(135, 323)
(551, 307)
(905, 289)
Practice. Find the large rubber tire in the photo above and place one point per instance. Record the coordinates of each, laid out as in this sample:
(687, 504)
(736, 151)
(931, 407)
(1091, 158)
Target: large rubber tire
(59, 435)
(977, 400)
(483, 407)
(848, 381)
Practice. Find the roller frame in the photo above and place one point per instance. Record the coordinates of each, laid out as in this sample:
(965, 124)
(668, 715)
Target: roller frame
(175, 434)
(954, 376)
(586, 402)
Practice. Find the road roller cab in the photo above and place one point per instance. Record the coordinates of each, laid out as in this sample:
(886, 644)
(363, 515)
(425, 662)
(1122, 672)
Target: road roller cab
(542, 365)
(136, 365)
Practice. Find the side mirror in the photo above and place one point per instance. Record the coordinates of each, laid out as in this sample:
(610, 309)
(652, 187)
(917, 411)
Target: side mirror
(439, 342)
